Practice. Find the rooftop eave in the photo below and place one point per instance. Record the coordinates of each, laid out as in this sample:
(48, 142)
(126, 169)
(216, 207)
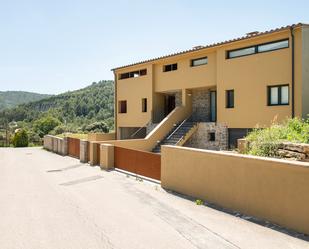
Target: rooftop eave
(215, 45)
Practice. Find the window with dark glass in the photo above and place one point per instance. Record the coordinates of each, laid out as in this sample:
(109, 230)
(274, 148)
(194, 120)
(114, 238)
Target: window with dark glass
(144, 105)
(170, 67)
(122, 106)
(278, 95)
(143, 72)
(199, 62)
(213, 106)
(133, 74)
(229, 99)
(212, 136)
(260, 48)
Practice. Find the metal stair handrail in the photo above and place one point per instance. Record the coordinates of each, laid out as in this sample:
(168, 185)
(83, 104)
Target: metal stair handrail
(178, 128)
(141, 128)
(183, 136)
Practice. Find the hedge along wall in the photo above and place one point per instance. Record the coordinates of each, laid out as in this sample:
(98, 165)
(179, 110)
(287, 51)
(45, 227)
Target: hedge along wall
(272, 189)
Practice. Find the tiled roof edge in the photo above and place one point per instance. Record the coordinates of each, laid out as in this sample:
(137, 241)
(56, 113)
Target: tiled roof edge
(214, 45)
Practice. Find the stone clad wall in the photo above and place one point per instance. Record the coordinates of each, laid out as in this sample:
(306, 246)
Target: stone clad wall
(296, 151)
(178, 100)
(200, 139)
(287, 150)
(83, 151)
(200, 105)
(55, 144)
(48, 143)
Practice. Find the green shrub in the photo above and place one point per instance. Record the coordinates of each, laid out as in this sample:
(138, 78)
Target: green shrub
(266, 142)
(34, 138)
(97, 127)
(44, 125)
(60, 129)
(199, 202)
(20, 139)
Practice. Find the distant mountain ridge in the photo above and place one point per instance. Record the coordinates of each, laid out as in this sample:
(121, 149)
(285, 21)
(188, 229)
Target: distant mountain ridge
(9, 99)
(73, 110)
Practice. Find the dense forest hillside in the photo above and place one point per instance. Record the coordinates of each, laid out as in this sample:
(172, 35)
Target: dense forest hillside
(10, 99)
(80, 111)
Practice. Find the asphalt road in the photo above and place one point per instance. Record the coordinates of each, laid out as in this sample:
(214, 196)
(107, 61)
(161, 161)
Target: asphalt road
(49, 201)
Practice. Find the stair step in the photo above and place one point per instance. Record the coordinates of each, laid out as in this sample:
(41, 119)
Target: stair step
(176, 135)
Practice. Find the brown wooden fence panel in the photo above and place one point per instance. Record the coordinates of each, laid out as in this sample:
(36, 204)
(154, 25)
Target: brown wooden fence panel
(139, 162)
(98, 153)
(73, 147)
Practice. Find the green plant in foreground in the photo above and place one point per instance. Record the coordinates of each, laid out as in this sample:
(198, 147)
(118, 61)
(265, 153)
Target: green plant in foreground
(199, 202)
(20, 139)
(266, 141)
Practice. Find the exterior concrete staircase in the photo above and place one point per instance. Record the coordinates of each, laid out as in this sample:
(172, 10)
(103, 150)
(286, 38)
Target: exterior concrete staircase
(178, 135)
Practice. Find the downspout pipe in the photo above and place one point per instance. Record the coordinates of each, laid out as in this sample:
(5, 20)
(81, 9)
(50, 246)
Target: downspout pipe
(115, 104)
(293, 72)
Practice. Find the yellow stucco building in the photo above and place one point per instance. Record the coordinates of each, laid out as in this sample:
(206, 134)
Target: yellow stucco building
(215, 93)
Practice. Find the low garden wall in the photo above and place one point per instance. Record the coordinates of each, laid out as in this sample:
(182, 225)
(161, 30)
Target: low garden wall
(86, 149)
(56, 144)
(101, 136)
(272, 189)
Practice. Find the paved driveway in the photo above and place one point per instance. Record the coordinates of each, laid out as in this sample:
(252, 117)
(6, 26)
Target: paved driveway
(49, 201)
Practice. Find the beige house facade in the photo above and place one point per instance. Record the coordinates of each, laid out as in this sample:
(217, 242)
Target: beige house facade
(218, 92)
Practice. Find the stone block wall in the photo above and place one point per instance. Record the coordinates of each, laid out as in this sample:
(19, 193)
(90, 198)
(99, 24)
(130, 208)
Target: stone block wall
(83, 151)
(48, 143)
(294, 151)
(178, 98)
(201, 138)
(56, 144)
(286, 150)
(200, 105)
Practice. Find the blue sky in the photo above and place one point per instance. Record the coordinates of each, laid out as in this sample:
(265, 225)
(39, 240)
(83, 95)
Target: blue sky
(56, 46)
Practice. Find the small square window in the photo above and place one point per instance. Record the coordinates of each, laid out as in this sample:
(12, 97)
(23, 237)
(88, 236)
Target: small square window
(170, 67)
(122, 106)
(212, 136)
(229, 99)
(278, 95)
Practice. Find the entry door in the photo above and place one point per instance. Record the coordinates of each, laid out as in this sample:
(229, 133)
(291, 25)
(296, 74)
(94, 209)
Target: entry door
(169, 104)
(213, 106)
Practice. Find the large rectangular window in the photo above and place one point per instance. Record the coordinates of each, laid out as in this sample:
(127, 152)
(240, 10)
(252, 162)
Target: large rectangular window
(241, 52)
(144, 105)
(278, 95)
(229, 99)
(273, 46)
(260, 48)
(199, 62)
(122, 106)
(170, 67)
(133, 74)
